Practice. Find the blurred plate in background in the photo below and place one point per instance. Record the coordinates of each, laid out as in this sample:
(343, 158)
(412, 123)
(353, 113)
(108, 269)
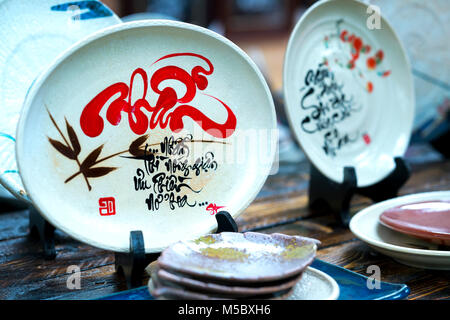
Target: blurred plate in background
(33, 33)
(424, 29)
(348, 92)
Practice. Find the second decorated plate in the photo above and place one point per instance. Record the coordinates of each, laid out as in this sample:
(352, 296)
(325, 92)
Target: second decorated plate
(348, 90)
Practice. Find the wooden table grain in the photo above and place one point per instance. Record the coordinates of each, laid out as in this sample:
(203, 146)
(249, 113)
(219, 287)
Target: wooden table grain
(281, 206)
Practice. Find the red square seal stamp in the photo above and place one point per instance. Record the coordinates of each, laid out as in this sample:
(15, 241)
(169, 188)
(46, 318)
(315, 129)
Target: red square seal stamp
(107, 206)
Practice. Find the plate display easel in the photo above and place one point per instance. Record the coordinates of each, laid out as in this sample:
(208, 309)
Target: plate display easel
(131, 264)
(325, 194)
(43, 231)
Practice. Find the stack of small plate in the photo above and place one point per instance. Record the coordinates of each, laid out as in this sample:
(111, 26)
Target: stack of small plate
(232, 266)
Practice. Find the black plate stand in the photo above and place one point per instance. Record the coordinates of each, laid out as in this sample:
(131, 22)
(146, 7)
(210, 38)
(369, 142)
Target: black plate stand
(132, 264)
(325, 194)
(43, 231)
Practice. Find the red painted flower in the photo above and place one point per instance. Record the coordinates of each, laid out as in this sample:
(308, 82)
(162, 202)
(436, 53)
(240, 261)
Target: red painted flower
(357, 44)
(371, 63)
(379, 55)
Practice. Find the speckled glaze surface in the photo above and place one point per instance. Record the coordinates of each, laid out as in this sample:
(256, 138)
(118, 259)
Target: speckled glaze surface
(244, 257)
(429, 220)
(33, 33)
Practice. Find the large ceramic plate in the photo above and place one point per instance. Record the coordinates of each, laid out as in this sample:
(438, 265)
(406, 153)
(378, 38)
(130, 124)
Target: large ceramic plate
(348, 91)
(33, 33)
(152, 126)
(403, 248)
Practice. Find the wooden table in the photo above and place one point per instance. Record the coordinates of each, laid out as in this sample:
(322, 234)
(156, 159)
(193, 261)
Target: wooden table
(281, 206)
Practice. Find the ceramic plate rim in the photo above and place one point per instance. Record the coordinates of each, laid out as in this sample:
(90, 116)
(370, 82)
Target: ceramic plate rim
(396, 201)
(4, 182)
(285, 68)
(335, 291)
(39, 203)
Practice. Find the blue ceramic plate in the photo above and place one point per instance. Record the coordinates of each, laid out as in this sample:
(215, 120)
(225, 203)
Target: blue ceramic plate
(353, 286)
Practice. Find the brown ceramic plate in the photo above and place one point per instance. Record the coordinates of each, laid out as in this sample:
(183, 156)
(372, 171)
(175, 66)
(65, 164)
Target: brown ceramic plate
(429, 220)
(241, 257)
(235, 290)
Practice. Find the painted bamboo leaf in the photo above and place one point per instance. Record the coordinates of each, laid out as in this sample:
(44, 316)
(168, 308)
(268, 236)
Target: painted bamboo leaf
(63, 149)
(135, 146)
(98, 172)
(91, 158)
(73, 139)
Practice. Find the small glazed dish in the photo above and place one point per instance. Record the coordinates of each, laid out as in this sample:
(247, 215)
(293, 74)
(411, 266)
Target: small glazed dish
(241, 257)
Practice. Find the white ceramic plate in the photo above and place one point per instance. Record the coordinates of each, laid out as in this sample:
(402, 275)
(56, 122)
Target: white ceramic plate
(128, 96)
(403, 248)
(348, 91)
(314, 285)
(33, 33)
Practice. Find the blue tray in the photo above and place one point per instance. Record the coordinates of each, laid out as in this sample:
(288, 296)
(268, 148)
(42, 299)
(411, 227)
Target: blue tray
(352, 285)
